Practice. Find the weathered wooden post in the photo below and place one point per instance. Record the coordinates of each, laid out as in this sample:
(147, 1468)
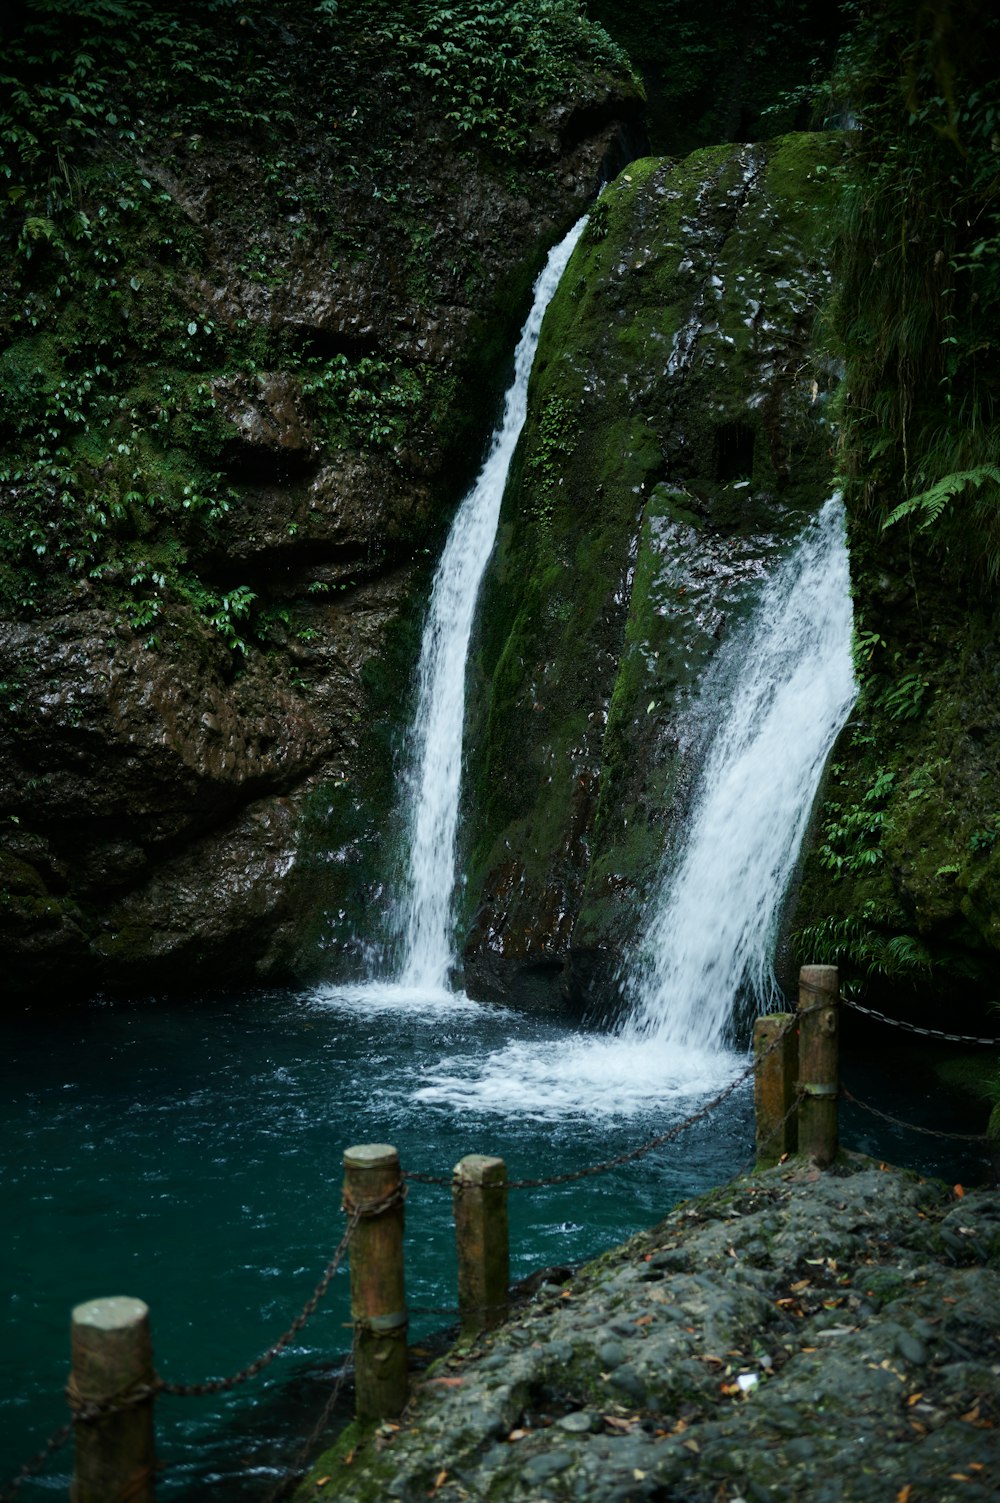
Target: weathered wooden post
(373, 1188)
(776, 1068)
(112, 1358)
(818, 1084)
(479, 1197)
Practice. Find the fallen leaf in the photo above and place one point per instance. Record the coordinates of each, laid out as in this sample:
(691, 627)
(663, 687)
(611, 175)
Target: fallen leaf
(914, 1398)
(618, 1424)
(517, 1435)
(904, 1493)
(972, 1415)
(799, 1285)
(441, 1477)
(692, 1445)
(975, 1466)
(959, 1191)
(322, 1481)
(644, 1320)
(959, 1477)
(639, 1476)
(442, 1383)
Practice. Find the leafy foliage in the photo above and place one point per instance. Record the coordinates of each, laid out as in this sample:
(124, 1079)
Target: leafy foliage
(863, 950)
(928, 505)
(918, 277)
(112, 464)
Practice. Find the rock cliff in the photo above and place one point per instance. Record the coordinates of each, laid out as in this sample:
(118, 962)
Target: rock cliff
(250, 354)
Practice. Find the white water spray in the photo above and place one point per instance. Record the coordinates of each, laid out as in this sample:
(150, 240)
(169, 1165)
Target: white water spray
(436, 753)
(778, 695)
(713, 927)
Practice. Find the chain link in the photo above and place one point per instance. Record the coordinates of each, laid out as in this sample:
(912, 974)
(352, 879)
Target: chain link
(223, 1385)
(931, 1033)
(930, 1132)
(87, 1411)
(31, 1468)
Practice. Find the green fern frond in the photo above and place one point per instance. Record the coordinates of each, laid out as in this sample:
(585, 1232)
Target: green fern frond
(931, 503)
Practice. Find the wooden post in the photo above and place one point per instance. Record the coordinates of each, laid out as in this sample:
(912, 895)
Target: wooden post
(112, 1355)
(776, 1052)
(819, 991)
(479, 1197)
(378, 1297)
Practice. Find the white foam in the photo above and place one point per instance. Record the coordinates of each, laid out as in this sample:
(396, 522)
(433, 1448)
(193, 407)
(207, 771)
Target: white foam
(575, 1077)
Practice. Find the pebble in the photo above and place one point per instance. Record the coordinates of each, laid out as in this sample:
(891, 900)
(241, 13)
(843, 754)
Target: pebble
(539, 1468)
(580, 1422)
(611, 1354)
(911, 1349)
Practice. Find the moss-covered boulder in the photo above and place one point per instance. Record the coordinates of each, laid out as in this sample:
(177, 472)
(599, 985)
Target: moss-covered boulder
(676, 440)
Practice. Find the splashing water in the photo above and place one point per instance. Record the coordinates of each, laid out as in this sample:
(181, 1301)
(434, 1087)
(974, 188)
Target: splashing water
(713, 928)
(434, 782)
(778, 696)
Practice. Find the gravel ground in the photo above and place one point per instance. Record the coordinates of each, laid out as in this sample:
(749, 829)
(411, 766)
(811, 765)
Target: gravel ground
(832, 1336)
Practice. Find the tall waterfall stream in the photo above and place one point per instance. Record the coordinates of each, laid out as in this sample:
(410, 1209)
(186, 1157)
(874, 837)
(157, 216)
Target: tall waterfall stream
(434, 783)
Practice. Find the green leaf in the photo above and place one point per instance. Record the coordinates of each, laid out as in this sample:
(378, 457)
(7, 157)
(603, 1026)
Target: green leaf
(931, 503)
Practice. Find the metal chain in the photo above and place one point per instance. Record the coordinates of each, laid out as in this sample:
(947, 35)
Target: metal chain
(222, 1385)
(86, 1411)
(298, 1465)
(31, 1468)
(931, 1033)
(606, 1164)
(930, 1132)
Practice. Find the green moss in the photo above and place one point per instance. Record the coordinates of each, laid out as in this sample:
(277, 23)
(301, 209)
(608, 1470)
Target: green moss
(355, 1444)
(639, 451)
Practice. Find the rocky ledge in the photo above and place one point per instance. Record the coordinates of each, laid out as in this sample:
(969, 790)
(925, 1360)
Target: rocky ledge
(795, 1334)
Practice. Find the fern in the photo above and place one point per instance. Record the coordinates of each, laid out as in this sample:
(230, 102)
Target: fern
(931, 503)
(853, 943)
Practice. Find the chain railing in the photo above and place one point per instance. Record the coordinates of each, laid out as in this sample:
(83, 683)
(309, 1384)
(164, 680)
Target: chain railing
(930, 1033)
(375, 1189)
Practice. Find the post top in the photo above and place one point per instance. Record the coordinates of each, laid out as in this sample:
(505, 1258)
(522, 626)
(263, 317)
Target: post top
(115, 1313)
(481, 1169)
(371, 1156)
(819, 973)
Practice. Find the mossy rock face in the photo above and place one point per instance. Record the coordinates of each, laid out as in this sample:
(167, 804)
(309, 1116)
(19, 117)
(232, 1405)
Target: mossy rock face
(255, 308)
(676, 441)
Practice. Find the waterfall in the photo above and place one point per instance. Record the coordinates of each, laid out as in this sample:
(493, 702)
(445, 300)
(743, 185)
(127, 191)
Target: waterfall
(435, 755)
(783, 688)
(776, 697)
